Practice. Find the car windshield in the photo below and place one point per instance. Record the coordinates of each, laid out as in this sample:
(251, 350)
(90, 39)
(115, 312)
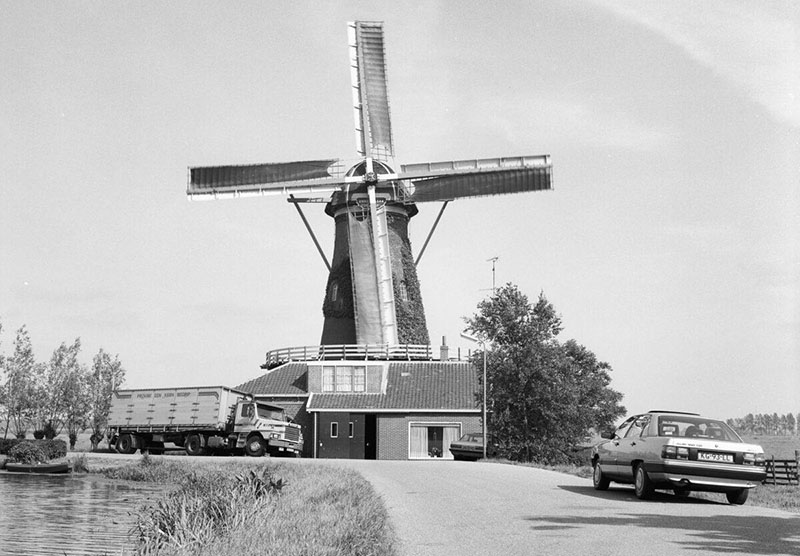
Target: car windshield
(695, 427)
(471, 437)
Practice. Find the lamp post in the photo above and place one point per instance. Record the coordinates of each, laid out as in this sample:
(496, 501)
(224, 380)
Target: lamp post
(483, 348)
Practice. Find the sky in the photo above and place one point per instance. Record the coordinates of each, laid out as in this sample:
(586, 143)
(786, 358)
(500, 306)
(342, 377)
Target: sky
(668, 245)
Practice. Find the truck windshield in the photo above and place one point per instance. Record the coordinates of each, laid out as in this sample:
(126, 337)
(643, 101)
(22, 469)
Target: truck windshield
(269, 413)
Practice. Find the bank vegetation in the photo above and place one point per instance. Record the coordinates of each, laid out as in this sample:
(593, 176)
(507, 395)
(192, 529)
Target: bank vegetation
(259, 507)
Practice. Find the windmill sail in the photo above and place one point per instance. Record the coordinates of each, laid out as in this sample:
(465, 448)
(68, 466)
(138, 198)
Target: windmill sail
(444, 181)
(370, 94)
(278, 178)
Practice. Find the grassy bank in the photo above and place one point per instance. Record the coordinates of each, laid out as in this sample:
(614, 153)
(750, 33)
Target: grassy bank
(255, 507)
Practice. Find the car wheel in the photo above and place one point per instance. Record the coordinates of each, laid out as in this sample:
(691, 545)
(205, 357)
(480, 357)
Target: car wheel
(255, 447)
(599, 480)
(681, 492)
(737, 497)
(642, 484)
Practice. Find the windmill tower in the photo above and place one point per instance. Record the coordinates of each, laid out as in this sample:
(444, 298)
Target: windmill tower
(372, 294)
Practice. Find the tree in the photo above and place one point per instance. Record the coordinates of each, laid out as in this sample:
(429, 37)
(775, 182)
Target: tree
(106, 376)
(20, 384)
(54, 386)
(76, 402)
(545, 397)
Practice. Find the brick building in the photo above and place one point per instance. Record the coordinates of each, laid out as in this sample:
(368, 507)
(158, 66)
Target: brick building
(372, 409)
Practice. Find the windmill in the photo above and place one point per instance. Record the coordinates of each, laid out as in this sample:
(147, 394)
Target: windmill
(372, 294)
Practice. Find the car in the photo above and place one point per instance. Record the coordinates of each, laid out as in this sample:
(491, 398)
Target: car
(682, 452)
(470, 447)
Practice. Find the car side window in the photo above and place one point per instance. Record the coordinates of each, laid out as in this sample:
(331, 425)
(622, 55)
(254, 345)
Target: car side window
(620, 432)
(639, 425)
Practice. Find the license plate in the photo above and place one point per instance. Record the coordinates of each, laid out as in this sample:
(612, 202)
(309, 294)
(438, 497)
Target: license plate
(711, 456)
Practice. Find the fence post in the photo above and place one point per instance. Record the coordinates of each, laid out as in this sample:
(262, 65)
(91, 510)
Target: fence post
(774, 480)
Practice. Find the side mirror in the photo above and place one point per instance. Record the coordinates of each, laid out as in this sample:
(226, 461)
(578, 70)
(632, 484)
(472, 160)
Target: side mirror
(608, 434)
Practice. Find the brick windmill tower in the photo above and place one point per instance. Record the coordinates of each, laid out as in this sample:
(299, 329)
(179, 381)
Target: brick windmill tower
(372, 295)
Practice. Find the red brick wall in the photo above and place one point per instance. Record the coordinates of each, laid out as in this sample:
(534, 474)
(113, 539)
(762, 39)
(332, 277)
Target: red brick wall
(393, 429)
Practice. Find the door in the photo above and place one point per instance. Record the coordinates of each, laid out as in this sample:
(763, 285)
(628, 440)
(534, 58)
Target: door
(370, 436)
(333, 435)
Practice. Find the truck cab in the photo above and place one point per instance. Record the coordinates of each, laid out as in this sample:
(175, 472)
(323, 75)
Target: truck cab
(262, 428)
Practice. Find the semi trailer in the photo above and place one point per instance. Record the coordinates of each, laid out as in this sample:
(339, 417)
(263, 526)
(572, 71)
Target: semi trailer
(213, 419)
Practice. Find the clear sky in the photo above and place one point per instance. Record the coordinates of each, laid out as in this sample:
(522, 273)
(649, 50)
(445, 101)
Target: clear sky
(669, 245)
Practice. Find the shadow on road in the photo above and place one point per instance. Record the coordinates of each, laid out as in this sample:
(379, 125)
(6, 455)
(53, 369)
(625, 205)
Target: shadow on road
(719, 534)
(627, 494)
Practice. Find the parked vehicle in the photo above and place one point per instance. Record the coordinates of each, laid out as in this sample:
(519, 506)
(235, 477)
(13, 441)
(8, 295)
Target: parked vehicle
(683, 452)
(470, 447)
(200, 420)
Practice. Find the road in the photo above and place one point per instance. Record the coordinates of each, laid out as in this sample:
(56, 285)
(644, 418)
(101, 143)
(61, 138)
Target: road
(476, 509)
(459, 508)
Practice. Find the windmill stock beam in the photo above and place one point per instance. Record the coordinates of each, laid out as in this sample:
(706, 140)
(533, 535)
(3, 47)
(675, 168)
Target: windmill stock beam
(430, 234)
(296, 203)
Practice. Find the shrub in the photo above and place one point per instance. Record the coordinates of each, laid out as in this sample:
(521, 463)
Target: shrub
(49, 432)
(27, 452)
(54, 449)
(7, 443)
(38, 434)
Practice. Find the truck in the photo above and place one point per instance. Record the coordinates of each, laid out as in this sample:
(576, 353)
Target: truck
(213, 419)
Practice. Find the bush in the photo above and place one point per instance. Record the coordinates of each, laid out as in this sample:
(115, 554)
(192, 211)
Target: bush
(38, 434)
(27, 452)
(52, 449)
(7, 443)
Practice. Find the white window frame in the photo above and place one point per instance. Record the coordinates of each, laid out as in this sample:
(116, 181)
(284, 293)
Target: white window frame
(445, 452)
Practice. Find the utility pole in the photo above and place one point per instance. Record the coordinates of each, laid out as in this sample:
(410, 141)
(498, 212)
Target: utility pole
(493, 260)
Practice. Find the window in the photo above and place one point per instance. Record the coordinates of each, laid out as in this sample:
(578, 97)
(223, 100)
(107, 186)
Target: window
(334, 430)
(328, 379)
(403, 291)
(359, 379)
(432, 440)
(334, 291)
(352, 430)
(344, 378)
(639, 425)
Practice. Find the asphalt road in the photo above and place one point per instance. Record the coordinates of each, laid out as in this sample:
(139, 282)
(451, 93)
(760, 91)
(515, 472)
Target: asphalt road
(459, 508)
(468, 508)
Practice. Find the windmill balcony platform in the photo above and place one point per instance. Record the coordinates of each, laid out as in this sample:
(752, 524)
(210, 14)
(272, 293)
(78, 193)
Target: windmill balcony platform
(355, 352)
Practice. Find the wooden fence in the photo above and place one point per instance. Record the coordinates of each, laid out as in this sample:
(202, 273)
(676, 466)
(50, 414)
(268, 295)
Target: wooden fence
(783, 471)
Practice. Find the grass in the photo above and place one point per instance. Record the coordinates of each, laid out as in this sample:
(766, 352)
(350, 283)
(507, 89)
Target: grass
(259, 507)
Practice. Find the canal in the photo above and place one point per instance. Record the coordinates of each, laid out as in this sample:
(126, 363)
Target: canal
(72, 515)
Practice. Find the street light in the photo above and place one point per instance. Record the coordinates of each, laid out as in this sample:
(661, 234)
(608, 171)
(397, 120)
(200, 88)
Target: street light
(483, 348)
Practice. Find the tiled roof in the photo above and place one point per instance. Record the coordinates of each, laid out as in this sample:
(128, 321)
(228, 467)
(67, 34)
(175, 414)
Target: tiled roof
(413, 385)
(290, 379)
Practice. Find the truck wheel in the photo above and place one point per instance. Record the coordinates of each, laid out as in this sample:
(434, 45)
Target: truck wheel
(255, 447)
(125, 444)
(194, 445)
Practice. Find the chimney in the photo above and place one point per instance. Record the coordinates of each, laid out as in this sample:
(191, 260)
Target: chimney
(444, 351)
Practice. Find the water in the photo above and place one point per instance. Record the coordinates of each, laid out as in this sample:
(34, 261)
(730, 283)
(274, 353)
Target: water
(70, 515)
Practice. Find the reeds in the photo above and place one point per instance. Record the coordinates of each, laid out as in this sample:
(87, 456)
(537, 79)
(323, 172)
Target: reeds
(242, 508)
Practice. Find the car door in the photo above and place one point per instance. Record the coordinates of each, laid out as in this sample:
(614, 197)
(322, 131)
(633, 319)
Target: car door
(632, 447)
(609, 450)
